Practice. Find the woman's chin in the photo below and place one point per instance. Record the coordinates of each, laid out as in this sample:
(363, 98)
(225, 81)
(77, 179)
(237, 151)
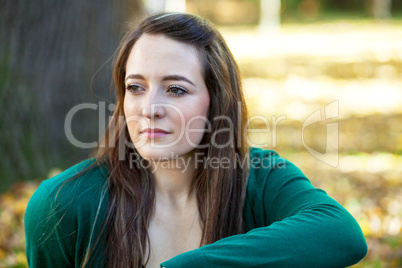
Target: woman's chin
(162, 154)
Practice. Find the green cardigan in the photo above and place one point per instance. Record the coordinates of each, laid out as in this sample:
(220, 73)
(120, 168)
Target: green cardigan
(288, 222)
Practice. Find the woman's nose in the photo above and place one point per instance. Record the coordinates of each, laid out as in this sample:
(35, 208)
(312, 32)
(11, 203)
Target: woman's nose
(152, 107)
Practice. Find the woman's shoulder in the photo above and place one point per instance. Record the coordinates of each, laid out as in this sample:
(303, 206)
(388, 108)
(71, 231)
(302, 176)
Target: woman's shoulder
(269, 165)
(79, 189)
(274, 183)
(82, 178)
(272, 177)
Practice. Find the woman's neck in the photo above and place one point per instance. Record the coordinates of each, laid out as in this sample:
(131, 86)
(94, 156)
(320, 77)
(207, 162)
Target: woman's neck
(173, 180)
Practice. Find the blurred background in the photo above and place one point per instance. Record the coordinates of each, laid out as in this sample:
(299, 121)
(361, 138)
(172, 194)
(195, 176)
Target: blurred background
(296, 57)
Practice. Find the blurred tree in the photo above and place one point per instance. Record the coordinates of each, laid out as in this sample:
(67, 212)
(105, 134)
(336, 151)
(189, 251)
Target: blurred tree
(270, 14)
(153, 6)
(53, 55)
(381, 9)
(175, 5)
(309, 9)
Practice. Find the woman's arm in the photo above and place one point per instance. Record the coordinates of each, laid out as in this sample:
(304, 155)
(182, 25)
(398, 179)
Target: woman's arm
(293, 225)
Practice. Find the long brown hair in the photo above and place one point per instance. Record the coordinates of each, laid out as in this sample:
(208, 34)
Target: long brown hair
(220, 192)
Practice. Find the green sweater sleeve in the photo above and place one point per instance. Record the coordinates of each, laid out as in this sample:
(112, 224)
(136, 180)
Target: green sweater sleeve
(289, 222)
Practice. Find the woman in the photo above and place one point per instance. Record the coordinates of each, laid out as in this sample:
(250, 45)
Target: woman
(173, 184)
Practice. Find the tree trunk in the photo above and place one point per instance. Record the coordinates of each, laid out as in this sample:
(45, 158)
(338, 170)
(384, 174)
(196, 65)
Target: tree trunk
(54, 55)
(270, 14)
(382, 9)
(153, 6)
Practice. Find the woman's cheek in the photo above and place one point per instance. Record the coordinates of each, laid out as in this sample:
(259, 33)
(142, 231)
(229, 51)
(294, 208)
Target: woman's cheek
(129, 106)
(195, 130)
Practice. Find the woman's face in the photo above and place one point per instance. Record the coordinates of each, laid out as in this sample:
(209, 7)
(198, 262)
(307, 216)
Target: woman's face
(166, 100)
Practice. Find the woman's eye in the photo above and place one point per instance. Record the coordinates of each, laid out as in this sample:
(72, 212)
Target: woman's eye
(133, 88)
(177, 90)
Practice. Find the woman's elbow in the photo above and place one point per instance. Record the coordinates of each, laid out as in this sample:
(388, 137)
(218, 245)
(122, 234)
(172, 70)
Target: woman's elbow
(354, 244)
(358, 248)
(347, 240)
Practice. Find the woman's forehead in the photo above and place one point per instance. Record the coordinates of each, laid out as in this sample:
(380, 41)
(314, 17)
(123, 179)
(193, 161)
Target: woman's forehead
(159, 53)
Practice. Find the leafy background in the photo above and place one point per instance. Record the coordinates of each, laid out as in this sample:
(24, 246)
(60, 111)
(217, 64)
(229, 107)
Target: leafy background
(325, 51)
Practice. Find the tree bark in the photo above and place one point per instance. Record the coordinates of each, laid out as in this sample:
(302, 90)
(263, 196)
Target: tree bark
(54, 55)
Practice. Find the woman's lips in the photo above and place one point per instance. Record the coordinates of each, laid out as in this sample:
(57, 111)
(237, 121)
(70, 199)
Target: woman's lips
(154, 133)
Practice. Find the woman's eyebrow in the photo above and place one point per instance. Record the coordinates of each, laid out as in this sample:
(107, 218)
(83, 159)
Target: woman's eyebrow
(177, 78)
(134, 76)
(173, 77)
